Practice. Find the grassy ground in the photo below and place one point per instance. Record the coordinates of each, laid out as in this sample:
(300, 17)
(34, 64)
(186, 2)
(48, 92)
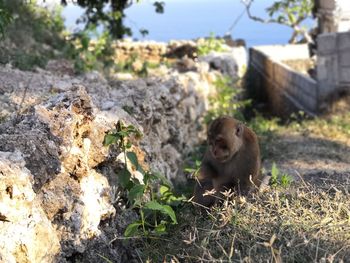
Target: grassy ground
(303, 223)
(307, 221)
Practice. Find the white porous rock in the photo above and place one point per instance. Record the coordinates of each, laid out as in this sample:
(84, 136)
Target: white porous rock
(26, 234)
(232, 63)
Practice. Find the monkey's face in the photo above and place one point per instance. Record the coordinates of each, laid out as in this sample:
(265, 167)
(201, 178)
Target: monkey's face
(225, 138)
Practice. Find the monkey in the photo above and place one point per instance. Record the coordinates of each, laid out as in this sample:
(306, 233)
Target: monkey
(231, 161)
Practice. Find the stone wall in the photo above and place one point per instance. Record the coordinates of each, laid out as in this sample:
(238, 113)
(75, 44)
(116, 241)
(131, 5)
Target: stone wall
(333, 63)
(285, 89)
(151, 51)
(333, 15)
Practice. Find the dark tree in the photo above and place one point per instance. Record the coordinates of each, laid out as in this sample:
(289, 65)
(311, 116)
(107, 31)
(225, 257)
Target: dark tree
(110, 14)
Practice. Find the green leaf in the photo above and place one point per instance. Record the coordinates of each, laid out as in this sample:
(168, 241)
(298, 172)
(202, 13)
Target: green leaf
(131, 230)
(164, 189)
(198, 163)
(154, 205)
(161, 228)
(274, 175)
(165, 209)
(160, 177)
(170, 212)
(274, 171)
(85, 40)
(133, 158)
(159, 5)
(136, 192)
(109, 139)
(124, 177)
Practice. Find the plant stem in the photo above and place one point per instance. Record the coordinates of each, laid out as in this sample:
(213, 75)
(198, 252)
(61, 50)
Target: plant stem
(143, 221)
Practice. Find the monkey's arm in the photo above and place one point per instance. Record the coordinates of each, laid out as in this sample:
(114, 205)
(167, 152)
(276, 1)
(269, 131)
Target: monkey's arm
(204, 183)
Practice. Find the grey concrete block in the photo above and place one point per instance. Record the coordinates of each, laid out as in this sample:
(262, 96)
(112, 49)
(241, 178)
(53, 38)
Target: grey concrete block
(327, 4)
(344, 58)
(309, 102)
(325, 88)
(326, 43)
(343, 41)
(344, 75)
(327, 67)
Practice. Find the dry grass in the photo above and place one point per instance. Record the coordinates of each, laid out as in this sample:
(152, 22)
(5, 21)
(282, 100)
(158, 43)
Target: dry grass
(309, 221)
(304, 223)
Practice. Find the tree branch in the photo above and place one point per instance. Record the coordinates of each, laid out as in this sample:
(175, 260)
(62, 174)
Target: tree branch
(297, 30)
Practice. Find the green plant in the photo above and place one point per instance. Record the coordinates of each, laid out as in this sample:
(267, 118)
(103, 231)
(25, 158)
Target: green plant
(5, 18)
(277, 179)
(34, 36)
(194, 171)
(153, 197)
(210, 44)
(91, 50)
(225, 101)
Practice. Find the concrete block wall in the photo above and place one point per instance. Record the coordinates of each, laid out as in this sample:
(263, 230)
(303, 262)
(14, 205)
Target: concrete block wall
(286, 90)
(333, 64)
(333, 15)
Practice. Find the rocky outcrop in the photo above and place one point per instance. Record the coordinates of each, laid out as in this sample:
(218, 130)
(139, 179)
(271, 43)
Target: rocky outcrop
(168, 110)
(61, 143)
(27, 234)
(232, 63)
(67, 174)
(59, 184)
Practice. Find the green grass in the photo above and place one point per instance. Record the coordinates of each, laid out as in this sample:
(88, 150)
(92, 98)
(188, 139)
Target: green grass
(306, 219)
(304, 223)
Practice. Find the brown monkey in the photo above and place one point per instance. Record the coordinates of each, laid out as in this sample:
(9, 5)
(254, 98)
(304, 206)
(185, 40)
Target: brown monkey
(232, 160)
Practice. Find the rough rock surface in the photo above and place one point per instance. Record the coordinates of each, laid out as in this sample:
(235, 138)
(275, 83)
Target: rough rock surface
(27, 235)
(231, 63)
(61, 141)
(70, 180)
(58, 183)
(182, 98)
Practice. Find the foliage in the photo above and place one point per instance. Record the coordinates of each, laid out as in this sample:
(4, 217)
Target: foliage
(5, 18)
(34, 35)
(225, 101)
(205, 46)
(136, 66)
(152, 197)
(291, 13)
(110, 14)
(194, 171)
(278, 179)
(91, 50)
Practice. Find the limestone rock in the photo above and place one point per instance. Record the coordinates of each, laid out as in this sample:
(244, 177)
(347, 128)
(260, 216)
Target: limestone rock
(59, 130)
(28, 235)
(232, 63)
(62, 144)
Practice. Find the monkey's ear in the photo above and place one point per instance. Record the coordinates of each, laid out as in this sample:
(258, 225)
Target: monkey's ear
(239, 130)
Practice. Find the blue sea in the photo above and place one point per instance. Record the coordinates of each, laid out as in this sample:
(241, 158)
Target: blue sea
(189, 19)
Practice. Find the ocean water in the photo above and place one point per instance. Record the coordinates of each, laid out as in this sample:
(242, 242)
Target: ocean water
(189, 19)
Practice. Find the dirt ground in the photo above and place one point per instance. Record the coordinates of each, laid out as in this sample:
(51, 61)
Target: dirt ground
(318, 148)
